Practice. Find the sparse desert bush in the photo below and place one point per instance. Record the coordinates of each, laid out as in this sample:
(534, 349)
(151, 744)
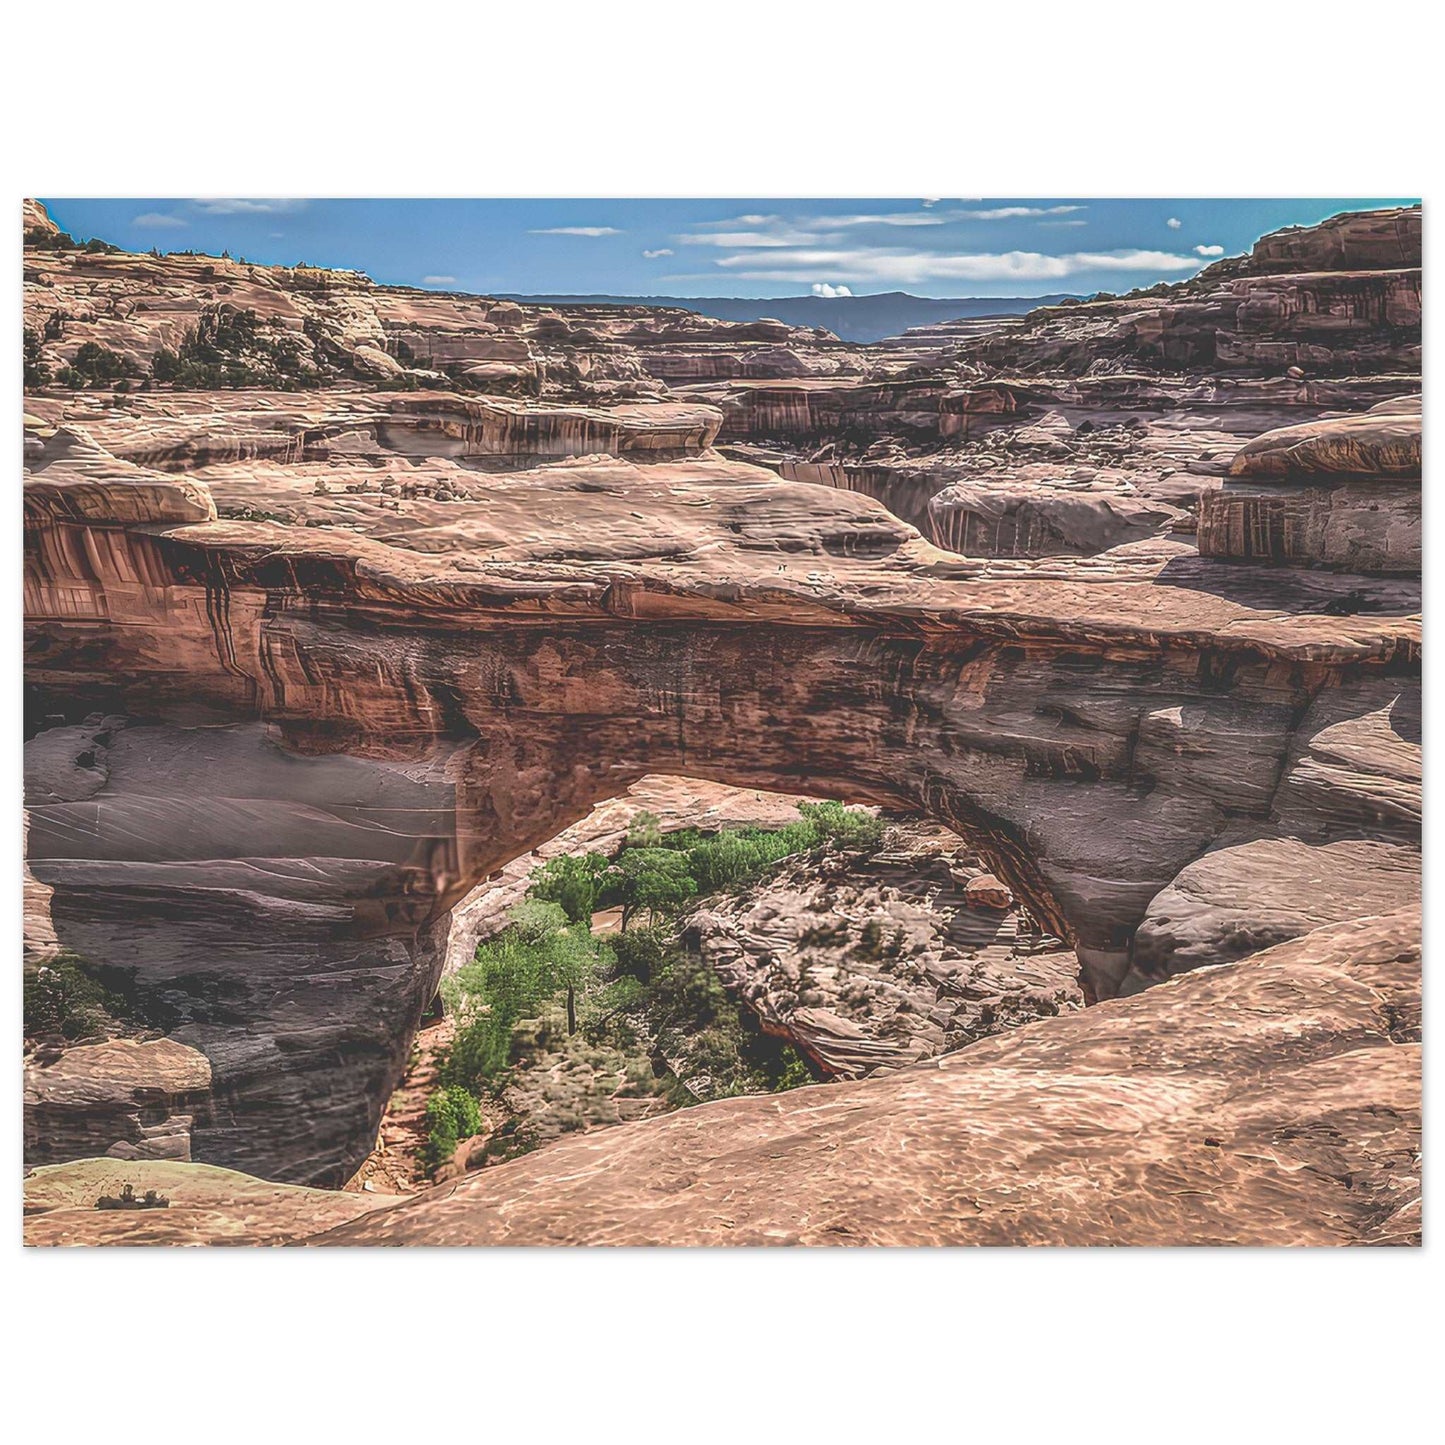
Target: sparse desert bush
(452, 1114)
(232, 347)
(63, 996)
(36, 372)
(96, 365)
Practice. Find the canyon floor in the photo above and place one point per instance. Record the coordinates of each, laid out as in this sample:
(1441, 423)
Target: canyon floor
(350, 607)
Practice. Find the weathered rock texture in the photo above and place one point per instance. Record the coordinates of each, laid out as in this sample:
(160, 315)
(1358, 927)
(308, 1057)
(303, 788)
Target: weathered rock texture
(305, 668)
(124, 1098)
(1271, 1101)
(1268, 1102)
(1338, 299)
(886, 962)
(1341, 493)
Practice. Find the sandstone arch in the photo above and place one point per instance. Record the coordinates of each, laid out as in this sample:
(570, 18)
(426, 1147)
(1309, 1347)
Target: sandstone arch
(324, 737)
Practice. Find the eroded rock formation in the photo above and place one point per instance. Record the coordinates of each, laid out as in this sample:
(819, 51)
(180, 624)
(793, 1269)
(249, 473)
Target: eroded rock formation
(1271, 1101)
(304, 668)
(884, 963)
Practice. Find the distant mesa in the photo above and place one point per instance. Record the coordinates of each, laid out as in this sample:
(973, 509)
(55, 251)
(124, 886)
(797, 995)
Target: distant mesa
(860, 319)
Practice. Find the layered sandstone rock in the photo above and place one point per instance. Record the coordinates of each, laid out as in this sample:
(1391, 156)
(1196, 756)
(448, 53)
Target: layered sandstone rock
(1343, 492)
(304, 668)
(1032, 714)
(124, 1098)
(347, 329)
(1267, 1102)
(876, 964)
(1037, 467)
(1339, 299)
(1353, 241)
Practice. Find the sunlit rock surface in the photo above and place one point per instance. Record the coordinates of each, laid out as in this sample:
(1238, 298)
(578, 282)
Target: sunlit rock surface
(306, 668)
(1270, 1101)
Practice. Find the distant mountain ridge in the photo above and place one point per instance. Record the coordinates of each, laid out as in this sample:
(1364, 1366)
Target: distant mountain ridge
(850, 318)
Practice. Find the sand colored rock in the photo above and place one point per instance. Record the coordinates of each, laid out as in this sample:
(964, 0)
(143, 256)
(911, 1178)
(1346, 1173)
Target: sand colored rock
(879, 963)
(1386, 445)
(1268, 1102)
(124, 1098)
(306, 668)
(1271, 1101)
(207, 1206)
(1342, 492)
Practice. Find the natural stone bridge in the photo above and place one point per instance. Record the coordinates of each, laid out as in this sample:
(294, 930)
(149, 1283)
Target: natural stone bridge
(268, 758)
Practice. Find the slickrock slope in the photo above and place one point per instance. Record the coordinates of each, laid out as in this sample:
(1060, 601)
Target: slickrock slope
(1269, 1102)
(207, 1206)
(306, 667)
(1272, 1101)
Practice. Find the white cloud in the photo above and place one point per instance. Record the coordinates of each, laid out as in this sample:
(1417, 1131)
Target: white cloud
(1063, 223)
(661, 251)
(241, 206)
(158, 221)
(882, 264)
(438, 280)
(1014, 213)
(1174, 223)
(743, 221)
(889, 218)
(1209, 250)
(932, 201)
(755, 239)
(577, 231)
(822, 288)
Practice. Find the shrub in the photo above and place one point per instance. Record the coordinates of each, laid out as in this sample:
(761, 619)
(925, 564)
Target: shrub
(36, 372)
(656, 879)
(62, 996)
(536, 957)
(232, 347)
(452, 1114)
(96, 365)
(645, 831)
(847, 827)
(640, 952)
(572, 883)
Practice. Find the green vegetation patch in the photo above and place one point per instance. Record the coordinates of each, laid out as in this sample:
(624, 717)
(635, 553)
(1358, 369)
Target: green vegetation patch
(452, 1114)
(230, 348)
(64, 997)
(559, 1027)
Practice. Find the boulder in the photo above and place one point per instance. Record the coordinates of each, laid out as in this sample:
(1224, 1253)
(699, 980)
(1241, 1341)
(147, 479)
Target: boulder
(988, 892)
(374, 362)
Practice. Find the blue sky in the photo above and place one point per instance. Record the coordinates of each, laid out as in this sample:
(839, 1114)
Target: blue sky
(930, 247)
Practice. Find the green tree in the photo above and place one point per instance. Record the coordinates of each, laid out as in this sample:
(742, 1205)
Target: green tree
(513, 975)
(572, 883)
(36, 372)
(452, 1114)
(656, 879)
(96, 365)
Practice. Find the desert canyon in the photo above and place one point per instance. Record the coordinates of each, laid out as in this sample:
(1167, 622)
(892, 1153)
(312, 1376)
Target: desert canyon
(345, 604)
